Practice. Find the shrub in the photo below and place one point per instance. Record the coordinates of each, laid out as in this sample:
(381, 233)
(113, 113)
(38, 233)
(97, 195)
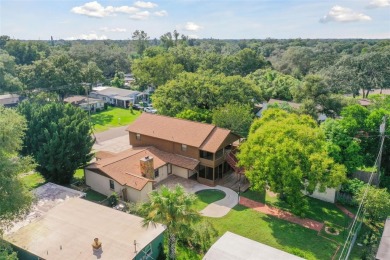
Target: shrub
(113, 199)
(352, 186)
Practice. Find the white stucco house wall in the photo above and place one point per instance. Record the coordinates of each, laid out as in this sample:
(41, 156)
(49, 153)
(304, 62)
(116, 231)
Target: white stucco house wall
(133, 173)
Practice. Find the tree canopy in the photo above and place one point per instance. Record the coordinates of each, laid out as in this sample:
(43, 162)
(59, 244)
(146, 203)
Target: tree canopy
(156, 70)
(174, 209)
(203, 90)
(58, 137)
(376, 202)
(288, 153)
(235, 117)
(15, 199)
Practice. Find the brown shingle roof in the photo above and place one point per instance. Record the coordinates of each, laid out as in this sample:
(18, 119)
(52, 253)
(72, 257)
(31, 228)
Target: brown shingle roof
(215, 139)
(124, 167)
(104, 154)
(204, 136)
(172, 129)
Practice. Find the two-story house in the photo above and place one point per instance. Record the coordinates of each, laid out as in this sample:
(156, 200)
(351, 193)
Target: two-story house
(205, 143)
(161, 146)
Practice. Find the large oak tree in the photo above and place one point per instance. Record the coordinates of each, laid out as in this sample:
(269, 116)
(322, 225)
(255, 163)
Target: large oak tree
(288, 153)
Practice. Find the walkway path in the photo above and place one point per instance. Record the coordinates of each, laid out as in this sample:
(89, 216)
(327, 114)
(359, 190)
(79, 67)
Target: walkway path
(346, 211)
(216, 209)
(305, 222)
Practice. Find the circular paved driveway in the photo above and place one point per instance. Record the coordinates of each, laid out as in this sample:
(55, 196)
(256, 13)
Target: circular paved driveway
(216, 209)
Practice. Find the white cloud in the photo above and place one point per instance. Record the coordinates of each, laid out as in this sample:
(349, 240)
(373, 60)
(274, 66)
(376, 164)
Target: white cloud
(126, 9)
(94, 9)
(106, 29)
(190, 26)
(378, 3)
(91, 36)
(161, 13)
(142, 4)
(140, 15)
(342, 14)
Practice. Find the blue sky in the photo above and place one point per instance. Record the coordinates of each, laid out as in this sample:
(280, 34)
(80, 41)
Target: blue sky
(220, 19)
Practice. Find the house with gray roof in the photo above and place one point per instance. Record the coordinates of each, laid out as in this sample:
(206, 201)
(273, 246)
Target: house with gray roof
(117, 96)
(9, 100)
(62, 226)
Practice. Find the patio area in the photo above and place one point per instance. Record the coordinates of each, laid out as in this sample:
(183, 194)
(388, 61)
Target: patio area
(217, 209)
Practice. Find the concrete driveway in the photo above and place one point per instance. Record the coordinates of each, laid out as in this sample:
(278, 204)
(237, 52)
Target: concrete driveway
(113, 140)
(216, 209)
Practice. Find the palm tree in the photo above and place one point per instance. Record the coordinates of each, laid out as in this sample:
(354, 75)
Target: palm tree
(172, 208)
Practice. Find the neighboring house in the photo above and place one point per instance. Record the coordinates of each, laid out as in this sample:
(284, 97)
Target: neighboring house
(329, 195)
(132, 173)
(10, 100)
(384, 245)
(282, 103)
(62, 226)
(234, 247)
(129, 79)
(117, 96)
(206, 143)
(86, 103)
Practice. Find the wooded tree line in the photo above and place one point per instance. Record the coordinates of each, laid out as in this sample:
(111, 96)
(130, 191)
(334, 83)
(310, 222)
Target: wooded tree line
(220, 81)
(346, 66)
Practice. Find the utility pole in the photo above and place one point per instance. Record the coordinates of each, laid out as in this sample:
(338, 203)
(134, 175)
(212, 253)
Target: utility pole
(354, 230)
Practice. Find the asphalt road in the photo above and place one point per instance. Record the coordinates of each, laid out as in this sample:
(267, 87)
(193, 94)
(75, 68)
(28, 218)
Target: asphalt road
(111, 134)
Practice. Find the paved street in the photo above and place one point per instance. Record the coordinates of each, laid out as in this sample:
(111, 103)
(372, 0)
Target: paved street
(111, 134)
(113, 140)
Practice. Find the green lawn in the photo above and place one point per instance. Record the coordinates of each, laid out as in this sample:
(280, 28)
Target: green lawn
(33, 180)
(113, 117)
(274, 232)
(205, 197)
(95, 196)
(318, 210)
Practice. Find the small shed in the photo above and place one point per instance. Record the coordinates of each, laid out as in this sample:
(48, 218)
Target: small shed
(234, 247)
(384, 246)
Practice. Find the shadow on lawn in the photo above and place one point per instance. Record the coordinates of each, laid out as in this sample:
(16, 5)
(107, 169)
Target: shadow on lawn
(102, 119)
(318, 210)
(300, 241)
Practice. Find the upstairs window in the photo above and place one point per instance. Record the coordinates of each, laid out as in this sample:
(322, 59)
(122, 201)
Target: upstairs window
(156, 173)
(112, 185)
(184, 147)
(138, 136)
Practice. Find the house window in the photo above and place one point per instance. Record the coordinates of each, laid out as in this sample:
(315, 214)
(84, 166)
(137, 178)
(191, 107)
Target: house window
(184, 147)
(156, 173)
(148, 252)
(112, 185)
(169, 168)
(138, 136)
